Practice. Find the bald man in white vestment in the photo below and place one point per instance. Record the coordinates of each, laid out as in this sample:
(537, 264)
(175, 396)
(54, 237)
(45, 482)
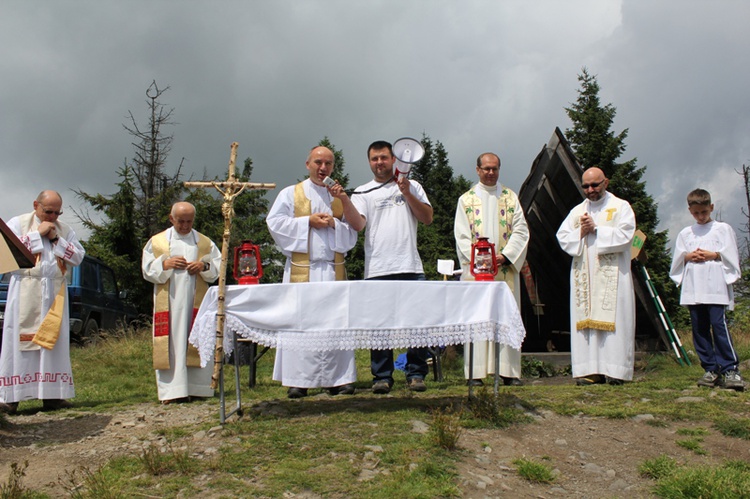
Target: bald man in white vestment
(309, 223)
(598, 234)
(181, 263)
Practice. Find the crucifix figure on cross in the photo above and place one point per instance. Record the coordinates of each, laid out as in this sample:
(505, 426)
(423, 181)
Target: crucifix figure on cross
(229, 190)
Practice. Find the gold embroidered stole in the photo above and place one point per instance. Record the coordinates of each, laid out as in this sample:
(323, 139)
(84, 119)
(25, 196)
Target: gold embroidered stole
(595, 282)
(506, 207)
(160, 246)
(300, 271)
(37, 330)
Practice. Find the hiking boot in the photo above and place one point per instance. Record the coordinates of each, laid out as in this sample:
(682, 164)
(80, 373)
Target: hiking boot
(709, 379)
(417, 385)
(381, 387)
(732, 380)
(296, 393)
(9, 407)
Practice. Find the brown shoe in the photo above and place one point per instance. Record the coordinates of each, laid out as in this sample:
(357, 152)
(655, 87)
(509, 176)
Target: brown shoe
(55, 404)
(9, 407)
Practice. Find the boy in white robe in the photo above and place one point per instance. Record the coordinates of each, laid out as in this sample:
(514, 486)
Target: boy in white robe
(705, 263)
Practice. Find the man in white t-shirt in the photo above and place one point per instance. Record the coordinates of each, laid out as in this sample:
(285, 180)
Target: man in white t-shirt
(391, 209)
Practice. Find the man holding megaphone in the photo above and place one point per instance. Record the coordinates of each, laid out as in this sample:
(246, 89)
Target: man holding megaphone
(391, 208)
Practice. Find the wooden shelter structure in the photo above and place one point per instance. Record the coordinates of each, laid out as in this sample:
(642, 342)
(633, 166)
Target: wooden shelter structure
(551, 190)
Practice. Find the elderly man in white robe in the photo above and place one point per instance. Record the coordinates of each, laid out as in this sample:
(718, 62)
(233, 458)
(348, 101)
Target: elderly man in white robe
(309, 223)
(598, 234)
(181, 263)
(35, 360)
(492, 210)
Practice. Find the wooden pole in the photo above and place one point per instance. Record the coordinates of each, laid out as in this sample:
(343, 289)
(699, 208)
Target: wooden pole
(229, 190)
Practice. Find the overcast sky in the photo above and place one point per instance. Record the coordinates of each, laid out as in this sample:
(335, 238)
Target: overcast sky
(277, 76)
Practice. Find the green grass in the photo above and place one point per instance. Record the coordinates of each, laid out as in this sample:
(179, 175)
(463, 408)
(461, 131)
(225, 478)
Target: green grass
(365, 445)
(534, 471)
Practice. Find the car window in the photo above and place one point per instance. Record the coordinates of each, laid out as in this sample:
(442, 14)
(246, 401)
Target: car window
(88, 275)
(109, 285)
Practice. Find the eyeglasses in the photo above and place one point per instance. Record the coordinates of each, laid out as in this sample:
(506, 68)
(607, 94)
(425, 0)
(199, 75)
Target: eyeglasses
(592, 185)
(489, 170)
(52, 212)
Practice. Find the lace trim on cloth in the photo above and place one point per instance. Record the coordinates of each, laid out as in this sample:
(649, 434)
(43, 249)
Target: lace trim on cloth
(203, 336)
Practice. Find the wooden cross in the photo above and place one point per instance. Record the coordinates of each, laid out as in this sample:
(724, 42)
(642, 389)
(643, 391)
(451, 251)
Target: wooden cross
(229, 190)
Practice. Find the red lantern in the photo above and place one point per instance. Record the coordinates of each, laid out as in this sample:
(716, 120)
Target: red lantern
(247, 266)
(483, 260)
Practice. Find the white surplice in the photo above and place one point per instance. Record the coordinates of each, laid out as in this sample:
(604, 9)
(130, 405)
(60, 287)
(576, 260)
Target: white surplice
(515, 252)
(39, 374)
(180, 381)
(593, 351)
(311, 369)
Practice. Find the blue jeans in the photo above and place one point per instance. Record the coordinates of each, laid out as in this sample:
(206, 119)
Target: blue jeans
(715, 351)
(381, 361)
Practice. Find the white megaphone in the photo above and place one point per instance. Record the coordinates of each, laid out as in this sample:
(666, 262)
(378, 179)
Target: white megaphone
(407, 152)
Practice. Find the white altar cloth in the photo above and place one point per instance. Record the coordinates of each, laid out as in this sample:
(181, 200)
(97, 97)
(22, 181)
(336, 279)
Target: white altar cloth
(347, 315)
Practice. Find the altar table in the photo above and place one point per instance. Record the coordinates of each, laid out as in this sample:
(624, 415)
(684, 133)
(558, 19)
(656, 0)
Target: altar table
(349, 315)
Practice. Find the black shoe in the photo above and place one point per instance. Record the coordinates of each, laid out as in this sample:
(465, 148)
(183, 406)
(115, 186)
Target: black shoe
(381, 387)
(615, 381)
(9, 407)
(296, 393)
(474, 382)
(511, 381)
(55, 404)
(591, 379)
(342, 390)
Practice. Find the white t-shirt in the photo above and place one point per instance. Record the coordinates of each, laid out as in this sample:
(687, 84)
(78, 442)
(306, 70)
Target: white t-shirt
(391, 233)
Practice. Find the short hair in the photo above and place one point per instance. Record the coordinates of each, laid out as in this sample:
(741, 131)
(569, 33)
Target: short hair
(378, 145)
(479, 158)
(700, 197)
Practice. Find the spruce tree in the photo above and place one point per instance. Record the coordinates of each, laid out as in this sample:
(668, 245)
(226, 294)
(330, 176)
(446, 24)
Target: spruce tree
(437, 240)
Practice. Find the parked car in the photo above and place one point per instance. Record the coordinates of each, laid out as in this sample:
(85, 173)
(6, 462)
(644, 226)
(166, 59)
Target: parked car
(94, 301)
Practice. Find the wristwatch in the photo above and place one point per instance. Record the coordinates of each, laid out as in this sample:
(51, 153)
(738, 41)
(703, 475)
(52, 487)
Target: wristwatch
(206, 266)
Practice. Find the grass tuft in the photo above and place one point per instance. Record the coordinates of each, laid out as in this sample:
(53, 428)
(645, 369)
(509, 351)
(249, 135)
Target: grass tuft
(734, 427)
(446, 428)
(732, 479)
(14, 488)
(693, 444)
(534, 471)
(499, 411)
(85, 484)
(658, 468)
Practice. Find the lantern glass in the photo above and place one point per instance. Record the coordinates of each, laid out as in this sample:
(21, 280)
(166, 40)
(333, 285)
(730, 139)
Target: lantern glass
(483, 261)
(248, 264)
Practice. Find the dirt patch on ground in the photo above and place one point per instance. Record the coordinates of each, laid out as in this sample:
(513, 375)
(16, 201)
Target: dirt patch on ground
(592, 457)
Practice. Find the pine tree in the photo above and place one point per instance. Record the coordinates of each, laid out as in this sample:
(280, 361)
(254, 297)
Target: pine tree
(141, 206)
(437, 240)
(595, 144)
